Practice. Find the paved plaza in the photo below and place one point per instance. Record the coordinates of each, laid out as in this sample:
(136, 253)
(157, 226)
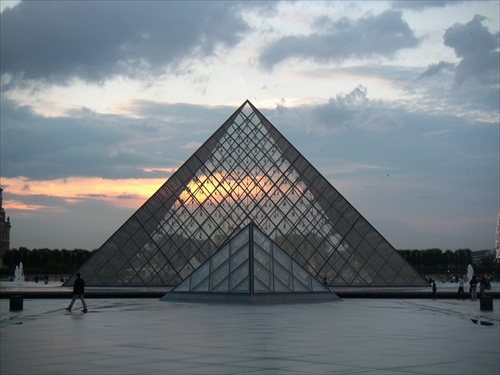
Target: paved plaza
(352, 336)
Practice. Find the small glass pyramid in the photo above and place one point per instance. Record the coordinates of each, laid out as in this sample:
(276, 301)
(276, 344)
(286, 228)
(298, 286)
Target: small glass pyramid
(250, 268)
(247, 172)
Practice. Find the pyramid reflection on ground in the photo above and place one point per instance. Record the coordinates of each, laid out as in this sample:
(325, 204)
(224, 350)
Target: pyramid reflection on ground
(247, 171)
(250, 268)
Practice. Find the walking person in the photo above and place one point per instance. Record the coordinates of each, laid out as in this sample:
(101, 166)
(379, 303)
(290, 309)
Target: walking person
(78, 289)
(473, 288)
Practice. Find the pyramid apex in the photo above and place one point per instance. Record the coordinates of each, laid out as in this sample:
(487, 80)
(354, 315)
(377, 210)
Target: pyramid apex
(247, 102)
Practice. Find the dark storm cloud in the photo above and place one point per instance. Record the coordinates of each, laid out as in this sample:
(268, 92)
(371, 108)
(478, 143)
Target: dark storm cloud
(341, 114)
(423, 4)
(435, 69)
(352, 129)
(55, 41)
(478, 50)
(381, 35)
(472, 84)
(88, 144)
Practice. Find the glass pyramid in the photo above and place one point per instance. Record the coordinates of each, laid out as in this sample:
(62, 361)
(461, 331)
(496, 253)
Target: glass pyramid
(250, 268)
(247, 172)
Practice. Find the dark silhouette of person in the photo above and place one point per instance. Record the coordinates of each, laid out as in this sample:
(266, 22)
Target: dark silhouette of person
(78, 290)
(434, 289)
(461, 289)
(473, 288)
(482, 287)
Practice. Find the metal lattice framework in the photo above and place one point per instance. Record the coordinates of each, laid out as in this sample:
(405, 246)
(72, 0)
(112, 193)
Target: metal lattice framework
(250, 268)
(250, 263)
(247, 172)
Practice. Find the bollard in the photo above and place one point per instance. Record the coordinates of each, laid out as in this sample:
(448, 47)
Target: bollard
(486, 303)
(16, 303)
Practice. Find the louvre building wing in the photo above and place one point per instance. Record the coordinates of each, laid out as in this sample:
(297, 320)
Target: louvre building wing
(247, 172)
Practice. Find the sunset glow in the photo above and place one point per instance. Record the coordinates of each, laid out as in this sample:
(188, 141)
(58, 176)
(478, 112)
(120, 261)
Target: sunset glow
(122, 193)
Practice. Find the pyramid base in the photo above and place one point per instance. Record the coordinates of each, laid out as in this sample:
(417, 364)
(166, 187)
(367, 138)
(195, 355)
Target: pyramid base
(246, 298)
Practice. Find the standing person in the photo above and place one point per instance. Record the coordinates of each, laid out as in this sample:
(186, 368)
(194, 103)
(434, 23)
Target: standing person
(473, 288)
(434, 289)
(460, 288)
(78, 289)
(482, 287)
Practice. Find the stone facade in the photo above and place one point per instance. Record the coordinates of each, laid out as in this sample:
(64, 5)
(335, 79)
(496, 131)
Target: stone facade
(4, 231)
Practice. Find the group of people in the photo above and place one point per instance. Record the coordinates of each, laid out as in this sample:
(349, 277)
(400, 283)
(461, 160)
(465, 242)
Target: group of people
(473, 284)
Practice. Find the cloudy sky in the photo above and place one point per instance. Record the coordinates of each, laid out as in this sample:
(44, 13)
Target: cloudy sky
(396, 103)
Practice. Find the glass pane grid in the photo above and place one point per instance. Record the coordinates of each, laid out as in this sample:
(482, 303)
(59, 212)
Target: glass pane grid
(247, 171)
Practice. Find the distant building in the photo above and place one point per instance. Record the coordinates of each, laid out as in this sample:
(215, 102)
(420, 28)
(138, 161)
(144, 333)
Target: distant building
(4, 231)
(479, 255)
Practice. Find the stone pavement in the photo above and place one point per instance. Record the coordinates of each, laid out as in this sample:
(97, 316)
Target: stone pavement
(353, 336)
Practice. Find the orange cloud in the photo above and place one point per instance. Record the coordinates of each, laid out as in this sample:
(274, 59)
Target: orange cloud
(132, 193)
(18, 205)
(127, 193)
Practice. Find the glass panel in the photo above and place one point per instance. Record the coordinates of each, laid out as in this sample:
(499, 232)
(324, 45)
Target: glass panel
(284, 276)
(183, 287)
(236, 278)
(219, 274)
(222, 287)
(261, 287)
(263, 281)
(220, 257)
(238, 258)
(186, 270)
(200, 274)
(301, 275)
(262, 241)
(280, 287)
(239, 241)
(348, 274)
(298, 286)
(201, 287)
(262, 257)
(283, 259)
(242, 287)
